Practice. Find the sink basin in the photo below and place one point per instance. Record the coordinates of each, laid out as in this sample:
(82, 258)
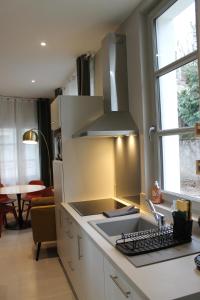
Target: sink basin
(111, 230)
(114, 228)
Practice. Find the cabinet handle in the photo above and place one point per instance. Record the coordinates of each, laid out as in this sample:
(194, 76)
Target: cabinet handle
(70, 266)
(79, 238)
(125, 293)
(69, 234)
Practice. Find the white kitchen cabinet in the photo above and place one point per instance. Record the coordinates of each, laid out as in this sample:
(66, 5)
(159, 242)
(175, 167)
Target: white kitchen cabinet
(81, 259)
(58, 196)
(59, 230)
(66, 242)
(70, 254)
(91, 274)
(116, 285)
(77, 261)
(92, 268)
(55, 114)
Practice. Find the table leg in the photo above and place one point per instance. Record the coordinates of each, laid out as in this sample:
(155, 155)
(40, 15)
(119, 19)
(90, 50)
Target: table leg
(20, 217)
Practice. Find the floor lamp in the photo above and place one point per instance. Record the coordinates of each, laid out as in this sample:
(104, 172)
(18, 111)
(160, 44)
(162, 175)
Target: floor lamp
(32, 137)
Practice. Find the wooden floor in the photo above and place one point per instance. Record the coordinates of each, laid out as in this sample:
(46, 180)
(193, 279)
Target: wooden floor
(22, 278)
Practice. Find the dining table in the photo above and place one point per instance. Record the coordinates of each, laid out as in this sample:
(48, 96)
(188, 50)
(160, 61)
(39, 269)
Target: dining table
(19, 190)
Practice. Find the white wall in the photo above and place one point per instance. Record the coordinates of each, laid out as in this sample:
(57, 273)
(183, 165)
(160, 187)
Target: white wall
(70, 87)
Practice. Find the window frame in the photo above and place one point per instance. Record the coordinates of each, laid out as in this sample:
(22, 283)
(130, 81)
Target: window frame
(154, 81)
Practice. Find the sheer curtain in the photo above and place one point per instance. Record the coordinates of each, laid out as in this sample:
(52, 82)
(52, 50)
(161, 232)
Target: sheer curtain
(19, 163)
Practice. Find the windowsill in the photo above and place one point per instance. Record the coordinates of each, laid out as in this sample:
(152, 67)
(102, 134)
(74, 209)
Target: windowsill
(173, 196)
(169, 197)
(165, 208)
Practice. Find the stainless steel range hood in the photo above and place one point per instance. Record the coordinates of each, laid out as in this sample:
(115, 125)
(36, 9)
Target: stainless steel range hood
(116, 120)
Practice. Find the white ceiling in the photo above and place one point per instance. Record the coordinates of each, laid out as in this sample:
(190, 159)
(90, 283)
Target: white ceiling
(70, 28)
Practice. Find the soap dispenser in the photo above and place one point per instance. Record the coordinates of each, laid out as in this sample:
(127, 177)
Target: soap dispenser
(156, 196)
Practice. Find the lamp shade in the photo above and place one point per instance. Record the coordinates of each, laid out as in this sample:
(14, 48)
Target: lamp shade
(30, 137)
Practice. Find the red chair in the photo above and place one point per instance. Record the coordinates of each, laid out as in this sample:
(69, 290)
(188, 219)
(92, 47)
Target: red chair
(4, 199)
(47, 192)
(29, 196)
(6, 208)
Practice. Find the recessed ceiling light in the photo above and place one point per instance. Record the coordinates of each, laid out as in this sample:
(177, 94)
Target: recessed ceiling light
(33, 81)
(43, 44)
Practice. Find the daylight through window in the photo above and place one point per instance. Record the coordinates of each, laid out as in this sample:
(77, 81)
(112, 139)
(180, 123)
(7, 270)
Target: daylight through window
(177, 94)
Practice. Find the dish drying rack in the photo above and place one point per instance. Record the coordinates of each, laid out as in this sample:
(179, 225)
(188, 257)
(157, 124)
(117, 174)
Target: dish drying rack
(150, 240)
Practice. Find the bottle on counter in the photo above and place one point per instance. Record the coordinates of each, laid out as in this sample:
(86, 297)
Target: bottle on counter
(156, 196)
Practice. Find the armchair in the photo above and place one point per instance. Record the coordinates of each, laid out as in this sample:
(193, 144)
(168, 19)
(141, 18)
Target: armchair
(43, 221)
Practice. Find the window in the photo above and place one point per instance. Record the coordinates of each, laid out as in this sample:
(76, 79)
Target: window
(19, 163)
(176, 76)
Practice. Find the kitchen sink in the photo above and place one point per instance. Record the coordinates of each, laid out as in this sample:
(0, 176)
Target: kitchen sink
(114, 228)
(111, 230)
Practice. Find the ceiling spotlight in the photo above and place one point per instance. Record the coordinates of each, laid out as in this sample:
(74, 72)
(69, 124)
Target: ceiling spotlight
(33, 81)
(43, 44)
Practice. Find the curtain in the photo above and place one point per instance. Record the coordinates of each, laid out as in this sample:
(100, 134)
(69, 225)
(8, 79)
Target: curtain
(44, 125)
(83, 74)
(19, 163)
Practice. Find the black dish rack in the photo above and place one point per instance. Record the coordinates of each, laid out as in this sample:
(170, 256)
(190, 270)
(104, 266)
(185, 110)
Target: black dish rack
(148, 241)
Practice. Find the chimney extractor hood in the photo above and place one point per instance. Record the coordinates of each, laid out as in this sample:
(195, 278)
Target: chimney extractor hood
(117, 119)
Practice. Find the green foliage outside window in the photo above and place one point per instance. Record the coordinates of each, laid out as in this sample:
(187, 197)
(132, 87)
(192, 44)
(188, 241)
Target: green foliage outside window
(188, 97)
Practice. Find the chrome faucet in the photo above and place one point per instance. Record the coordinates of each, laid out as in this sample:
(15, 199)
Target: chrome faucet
(160, 218)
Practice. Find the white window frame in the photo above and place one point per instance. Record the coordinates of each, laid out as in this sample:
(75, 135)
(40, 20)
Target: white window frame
(156, 73)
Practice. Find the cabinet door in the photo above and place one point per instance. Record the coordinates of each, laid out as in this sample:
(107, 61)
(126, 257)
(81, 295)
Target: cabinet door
(116, 287)
(71, 251)
(71, 254)
(59, 230)
(92, 269)
(77, 261)
(85, 264)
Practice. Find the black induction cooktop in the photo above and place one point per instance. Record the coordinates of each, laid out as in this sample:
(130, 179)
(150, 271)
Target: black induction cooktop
(95, 207)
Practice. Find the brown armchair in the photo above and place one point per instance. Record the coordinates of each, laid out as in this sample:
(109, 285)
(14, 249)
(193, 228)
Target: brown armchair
(43, 221)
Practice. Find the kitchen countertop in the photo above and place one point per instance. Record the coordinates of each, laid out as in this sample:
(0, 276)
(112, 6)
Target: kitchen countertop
(173, 279)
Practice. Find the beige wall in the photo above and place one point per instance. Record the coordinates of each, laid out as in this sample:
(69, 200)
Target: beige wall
(127, 166)
(88, 163)
(89, 169)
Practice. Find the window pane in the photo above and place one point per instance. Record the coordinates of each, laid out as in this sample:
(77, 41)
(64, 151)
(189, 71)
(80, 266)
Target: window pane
(180, 153)
(179, 97)
(177, 25)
